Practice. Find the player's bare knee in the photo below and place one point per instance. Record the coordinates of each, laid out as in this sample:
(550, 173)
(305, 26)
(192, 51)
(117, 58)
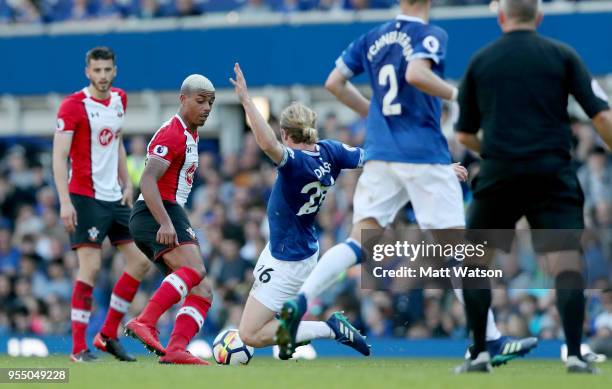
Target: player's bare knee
(137, 268)
(250, 338)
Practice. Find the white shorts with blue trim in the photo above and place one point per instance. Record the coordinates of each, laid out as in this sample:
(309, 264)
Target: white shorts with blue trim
(384, 188)
(277, 281)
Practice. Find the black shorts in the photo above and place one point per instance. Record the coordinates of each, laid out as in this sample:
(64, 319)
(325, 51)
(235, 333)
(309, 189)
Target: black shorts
(97, 219)
(144, 227)
(547, 193)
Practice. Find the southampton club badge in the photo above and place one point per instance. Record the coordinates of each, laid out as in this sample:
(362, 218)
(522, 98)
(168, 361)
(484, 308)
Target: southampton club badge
(93, 233)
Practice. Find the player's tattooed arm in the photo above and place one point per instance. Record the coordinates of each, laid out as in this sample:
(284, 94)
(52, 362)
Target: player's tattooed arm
(346, 92)
(154, 169)
(420, 75)
(62, 141)
(124, 177)
(264, 135)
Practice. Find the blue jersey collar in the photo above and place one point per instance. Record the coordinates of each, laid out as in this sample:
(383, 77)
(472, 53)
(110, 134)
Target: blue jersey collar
(408, 18)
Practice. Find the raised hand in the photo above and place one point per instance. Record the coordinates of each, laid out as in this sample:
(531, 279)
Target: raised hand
(240, 86)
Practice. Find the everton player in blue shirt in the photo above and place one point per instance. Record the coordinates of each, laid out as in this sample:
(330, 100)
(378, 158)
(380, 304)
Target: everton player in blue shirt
(406, 154)
(307, 169)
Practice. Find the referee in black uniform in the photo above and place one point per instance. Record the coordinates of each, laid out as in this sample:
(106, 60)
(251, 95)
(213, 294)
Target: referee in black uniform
(516, 90)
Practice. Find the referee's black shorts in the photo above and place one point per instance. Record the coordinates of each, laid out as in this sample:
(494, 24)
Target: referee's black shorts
(547, 193)
(144, 227)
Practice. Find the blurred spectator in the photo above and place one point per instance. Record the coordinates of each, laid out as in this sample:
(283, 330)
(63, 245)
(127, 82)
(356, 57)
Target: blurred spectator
(81, 10)
(108, 9)
(603, 321)
(137, 157)
(24, 11)
(357, 5)
(9, 255)
(186, 8)
(149, 9)
(602, 342)
(17, 168)
(255, 7)
(596, 180)
(289, 6)
(229, 269)
(329, 5)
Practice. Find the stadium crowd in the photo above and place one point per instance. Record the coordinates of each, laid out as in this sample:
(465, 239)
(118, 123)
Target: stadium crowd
(228, 210)
(49, 11)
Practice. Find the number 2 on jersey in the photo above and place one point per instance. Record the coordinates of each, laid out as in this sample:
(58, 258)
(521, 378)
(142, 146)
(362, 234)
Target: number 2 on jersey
(387, 76)
(316, 198)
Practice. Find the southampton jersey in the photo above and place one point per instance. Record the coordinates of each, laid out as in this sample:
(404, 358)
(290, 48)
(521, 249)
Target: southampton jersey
(94, 153)
(177, 147)
(304, 177)
(403, 123)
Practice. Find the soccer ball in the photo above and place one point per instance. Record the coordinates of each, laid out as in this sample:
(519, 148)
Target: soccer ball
(229, 349)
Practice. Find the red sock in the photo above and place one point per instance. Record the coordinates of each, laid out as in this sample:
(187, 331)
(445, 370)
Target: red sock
(123, 293)
(81, 310)
(174, 287)
(189, 320)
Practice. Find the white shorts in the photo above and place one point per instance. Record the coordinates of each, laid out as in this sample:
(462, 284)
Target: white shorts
(386, 187)
(277, 281)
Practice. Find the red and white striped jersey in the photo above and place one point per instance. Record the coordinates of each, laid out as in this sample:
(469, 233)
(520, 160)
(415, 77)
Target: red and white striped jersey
(94, 153)
(175, 145)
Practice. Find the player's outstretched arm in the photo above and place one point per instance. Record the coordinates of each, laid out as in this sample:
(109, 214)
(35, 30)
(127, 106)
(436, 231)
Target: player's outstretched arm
(264, 135)
(61, 148)
(154, 169)
(420, 75)
(346, 92)
(603, 123)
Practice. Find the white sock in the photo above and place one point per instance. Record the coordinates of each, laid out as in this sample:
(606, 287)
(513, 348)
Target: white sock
(492, 330)
(309, 330)
(335, 261)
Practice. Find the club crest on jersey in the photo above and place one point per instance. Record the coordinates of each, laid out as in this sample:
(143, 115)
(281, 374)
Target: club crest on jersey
(93, 233)
(191, 233)
(189, 174)
(160, 150)
(106, 137)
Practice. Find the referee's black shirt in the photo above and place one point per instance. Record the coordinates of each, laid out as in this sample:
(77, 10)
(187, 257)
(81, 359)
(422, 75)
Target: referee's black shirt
(516, 90)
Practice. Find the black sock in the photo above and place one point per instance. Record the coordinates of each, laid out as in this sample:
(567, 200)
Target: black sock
(477, 297)
(571, 306)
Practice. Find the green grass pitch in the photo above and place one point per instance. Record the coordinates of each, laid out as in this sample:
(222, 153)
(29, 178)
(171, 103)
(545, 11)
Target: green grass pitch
(351, 373)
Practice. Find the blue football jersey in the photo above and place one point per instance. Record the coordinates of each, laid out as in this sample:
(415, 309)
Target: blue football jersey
(403, 123)
(304, 177)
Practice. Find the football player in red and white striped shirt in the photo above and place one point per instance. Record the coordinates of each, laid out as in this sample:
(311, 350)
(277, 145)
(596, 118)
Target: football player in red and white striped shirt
(96, 197)
(162, 230)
